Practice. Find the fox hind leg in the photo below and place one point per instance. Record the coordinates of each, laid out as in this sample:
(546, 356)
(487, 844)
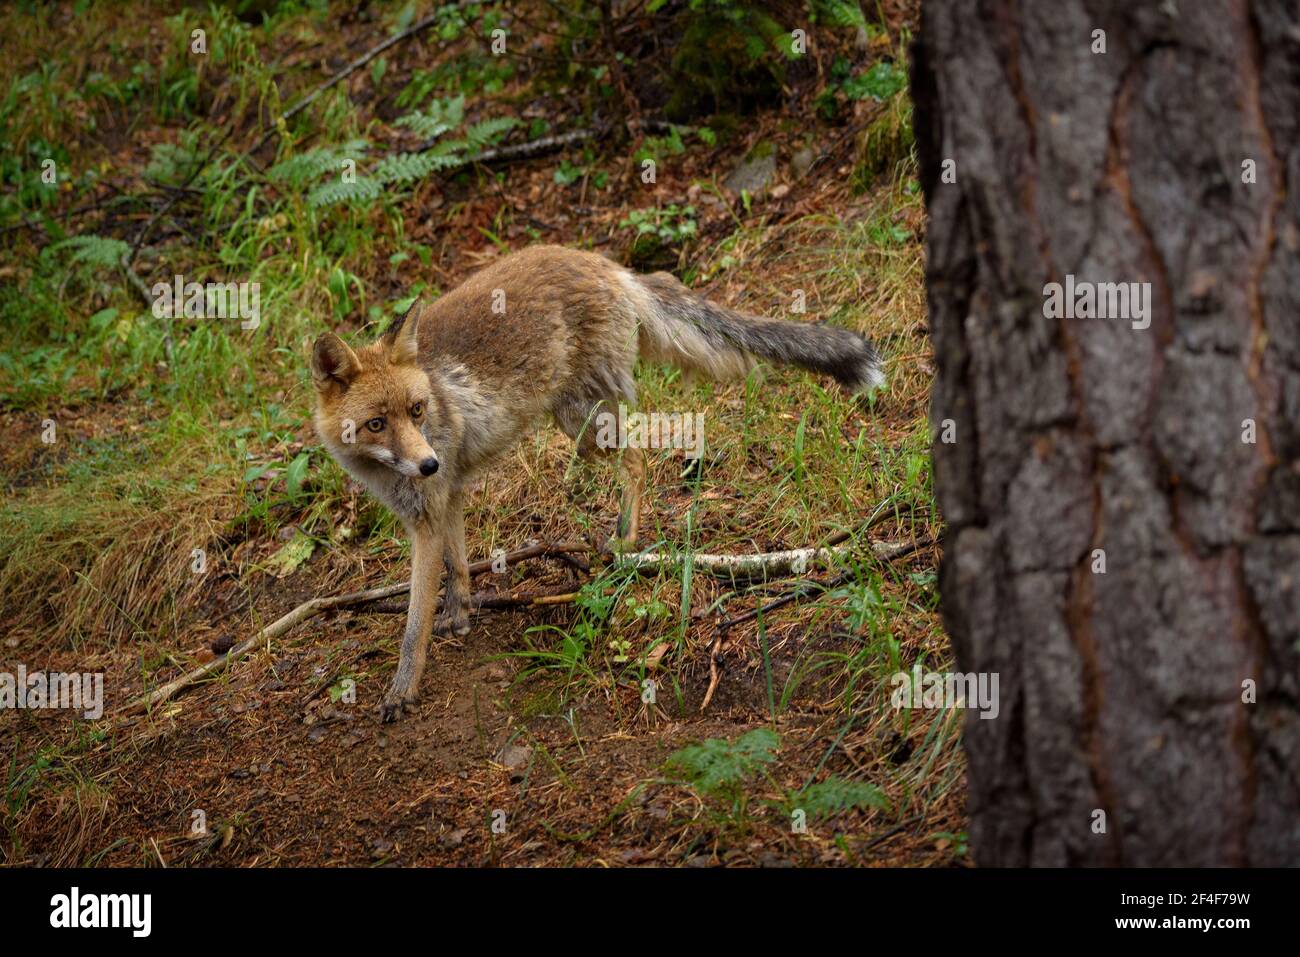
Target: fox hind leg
(587, 419)
(632, 474)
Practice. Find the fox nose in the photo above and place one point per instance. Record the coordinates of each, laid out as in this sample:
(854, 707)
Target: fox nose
(429, 466)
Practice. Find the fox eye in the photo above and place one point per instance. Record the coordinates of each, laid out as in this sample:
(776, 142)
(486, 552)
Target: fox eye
(376, 424)
(417, 410)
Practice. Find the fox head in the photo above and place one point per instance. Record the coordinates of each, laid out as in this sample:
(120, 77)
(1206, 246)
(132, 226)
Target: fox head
(372, 404)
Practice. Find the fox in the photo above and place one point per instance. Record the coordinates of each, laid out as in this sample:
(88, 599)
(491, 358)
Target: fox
(422, 413)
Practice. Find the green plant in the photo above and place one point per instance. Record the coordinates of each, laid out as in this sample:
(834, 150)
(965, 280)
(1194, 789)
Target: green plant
(569, 173)
(885, 82)
(659, 232)
(958, 841)
(882, 81)
(834, 795)
(657, 147)
(718, 769)
(95, 252)
(330, 174)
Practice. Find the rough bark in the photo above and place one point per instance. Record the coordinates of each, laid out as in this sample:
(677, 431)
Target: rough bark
(1121, 691)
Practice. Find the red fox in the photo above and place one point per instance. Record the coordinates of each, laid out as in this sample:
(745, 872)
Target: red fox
(420, 414)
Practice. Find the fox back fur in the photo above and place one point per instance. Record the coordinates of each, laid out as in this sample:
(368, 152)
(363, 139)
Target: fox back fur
(420, 414)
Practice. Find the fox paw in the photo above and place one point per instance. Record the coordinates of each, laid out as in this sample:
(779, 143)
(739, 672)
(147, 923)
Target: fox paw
(447, 625)
(394, 706)
(618, 543)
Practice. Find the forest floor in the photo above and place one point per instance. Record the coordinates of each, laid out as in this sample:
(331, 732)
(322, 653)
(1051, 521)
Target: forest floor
(165, 496)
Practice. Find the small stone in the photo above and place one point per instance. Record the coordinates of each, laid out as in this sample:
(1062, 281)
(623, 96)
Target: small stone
(514, 758)
(754, 173)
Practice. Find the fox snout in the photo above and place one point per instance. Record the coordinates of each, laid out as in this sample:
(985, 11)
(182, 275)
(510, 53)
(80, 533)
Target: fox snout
(420, 464)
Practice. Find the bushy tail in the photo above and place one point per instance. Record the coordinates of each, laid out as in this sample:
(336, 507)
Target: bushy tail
(686, 330)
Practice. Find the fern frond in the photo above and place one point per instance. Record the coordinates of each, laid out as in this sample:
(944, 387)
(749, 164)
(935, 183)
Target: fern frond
(423, 125)
(450, 111)
(835, 794)
(305, 168)
(96, 251)
(448, 147)
(409, 167)
(838, 13)
(360, 192)
(483, 134)
(717, 765)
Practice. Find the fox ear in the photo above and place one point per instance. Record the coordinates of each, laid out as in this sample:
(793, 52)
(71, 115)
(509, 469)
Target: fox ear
(333, 363)
(405, 347)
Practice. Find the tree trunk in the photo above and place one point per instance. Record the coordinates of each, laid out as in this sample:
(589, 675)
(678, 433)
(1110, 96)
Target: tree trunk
(1122, 503)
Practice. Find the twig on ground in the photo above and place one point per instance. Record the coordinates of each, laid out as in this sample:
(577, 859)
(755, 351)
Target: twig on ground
(135, 282)
(537, 147)
(714, 675)
(890, 832)
(491, 601)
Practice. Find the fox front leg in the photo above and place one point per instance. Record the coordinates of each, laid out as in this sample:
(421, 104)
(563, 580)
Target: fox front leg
(426, 569)
(454, 619)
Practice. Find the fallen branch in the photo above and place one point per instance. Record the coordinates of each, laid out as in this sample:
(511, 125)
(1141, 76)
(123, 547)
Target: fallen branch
(889, 553)
(310, 609)
(492, 601)
(537, 147)
(794, 561)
